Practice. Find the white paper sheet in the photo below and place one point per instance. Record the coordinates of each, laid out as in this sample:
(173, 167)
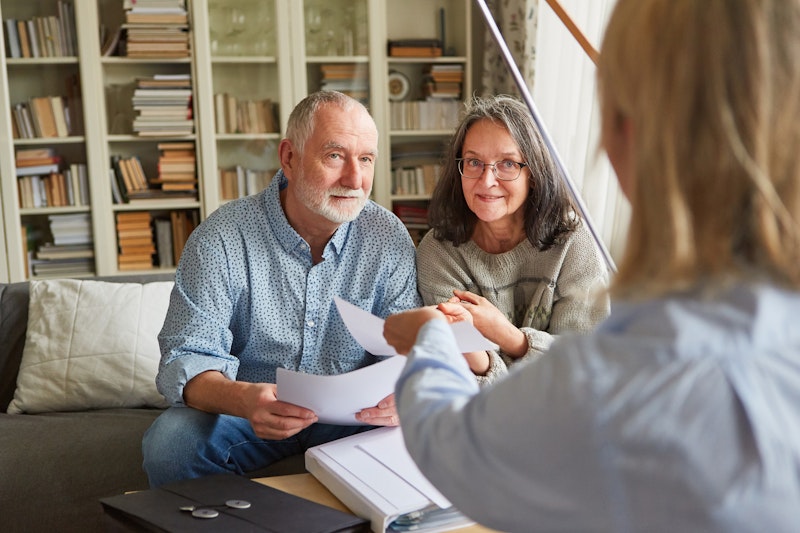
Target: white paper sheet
(367, 329)
(337, 399)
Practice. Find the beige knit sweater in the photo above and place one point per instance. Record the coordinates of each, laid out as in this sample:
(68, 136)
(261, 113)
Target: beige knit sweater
(542, 293)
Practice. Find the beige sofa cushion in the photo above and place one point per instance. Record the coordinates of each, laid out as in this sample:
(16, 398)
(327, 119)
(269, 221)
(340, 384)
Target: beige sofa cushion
(91, 345)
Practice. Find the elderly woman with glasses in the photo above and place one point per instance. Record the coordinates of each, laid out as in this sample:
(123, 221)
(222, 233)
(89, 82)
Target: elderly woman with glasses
(507, 249)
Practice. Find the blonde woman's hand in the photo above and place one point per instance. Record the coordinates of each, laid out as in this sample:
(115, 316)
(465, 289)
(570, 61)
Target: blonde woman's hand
(400, 330)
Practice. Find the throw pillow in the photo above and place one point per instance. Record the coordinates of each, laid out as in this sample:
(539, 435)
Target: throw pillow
(91, 345)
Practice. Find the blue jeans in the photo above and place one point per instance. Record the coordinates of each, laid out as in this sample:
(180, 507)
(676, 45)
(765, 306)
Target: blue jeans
(186, 443)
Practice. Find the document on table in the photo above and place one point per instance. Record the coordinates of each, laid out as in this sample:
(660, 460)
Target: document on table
(337, 399)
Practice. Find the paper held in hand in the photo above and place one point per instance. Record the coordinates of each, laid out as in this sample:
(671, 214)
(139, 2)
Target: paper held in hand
(336, 399)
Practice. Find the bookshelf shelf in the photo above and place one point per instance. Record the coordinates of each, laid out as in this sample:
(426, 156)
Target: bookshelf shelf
(34, 61)
(243, 59)
(254, 50)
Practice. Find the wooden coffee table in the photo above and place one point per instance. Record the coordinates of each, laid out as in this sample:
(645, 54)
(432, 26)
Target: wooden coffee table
(307, 486)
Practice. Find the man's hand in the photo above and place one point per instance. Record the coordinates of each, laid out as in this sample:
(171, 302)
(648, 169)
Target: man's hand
(384, 414)
(400, 330)
(273, 419)
(257, 402)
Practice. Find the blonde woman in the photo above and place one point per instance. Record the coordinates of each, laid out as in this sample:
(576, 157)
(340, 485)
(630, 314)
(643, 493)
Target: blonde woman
(681, 411)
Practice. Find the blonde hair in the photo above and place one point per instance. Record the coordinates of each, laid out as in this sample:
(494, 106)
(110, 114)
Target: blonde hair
(712, 89)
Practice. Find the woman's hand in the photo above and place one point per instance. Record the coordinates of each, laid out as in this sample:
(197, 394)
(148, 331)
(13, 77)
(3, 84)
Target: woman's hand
(400, 330)
(490, 321)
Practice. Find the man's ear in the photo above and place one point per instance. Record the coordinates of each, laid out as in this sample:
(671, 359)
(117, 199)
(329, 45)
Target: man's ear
(287, 155)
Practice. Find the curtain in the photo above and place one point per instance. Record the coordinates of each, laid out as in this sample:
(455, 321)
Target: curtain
(517, 20)
(565, 96)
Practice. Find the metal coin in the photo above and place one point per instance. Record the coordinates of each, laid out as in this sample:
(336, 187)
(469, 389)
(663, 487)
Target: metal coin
(238, 504)
(205, 513)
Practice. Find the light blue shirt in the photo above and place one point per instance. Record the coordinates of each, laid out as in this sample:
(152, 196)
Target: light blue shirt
(248, 298)
(678, 414)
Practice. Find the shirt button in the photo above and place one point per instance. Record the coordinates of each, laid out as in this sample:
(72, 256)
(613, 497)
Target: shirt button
(310, 323)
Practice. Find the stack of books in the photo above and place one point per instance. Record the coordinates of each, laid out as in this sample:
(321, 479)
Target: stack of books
(348, 78)
(177, 167)
(156, 29)
(235, 115)
(135, 241)
(415, 48)
(71, 253)
(443, 81)
(163, 105)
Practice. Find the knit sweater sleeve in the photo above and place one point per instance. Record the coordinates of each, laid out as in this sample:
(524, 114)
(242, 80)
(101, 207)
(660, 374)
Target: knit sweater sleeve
(580, 300)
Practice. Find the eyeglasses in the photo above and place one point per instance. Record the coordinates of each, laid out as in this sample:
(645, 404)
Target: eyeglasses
(505, 170)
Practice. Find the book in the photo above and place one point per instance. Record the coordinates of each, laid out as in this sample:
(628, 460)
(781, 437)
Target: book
(59, 114)
(24, 40)
(43, 116)
(37, 170)
(373, 475)
(13, 38)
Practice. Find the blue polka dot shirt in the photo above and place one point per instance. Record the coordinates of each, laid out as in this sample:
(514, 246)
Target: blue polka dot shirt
(248, 298)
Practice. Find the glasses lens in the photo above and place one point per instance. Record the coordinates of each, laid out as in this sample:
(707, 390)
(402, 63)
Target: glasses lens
(506, 170)
(471, 168)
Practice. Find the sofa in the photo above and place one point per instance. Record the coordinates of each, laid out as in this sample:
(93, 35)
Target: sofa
(77, 424)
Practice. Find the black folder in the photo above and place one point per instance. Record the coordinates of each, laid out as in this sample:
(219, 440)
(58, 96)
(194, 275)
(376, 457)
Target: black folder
(270, 509)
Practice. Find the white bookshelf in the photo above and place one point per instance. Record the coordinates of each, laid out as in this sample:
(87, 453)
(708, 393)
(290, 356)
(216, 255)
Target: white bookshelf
(285, 49)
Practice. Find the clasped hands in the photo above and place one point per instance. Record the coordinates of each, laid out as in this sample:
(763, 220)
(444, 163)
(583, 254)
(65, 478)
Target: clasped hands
(401, 330)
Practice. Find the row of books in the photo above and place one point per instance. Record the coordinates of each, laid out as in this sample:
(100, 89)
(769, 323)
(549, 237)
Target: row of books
(129, 180)
(433, 114)
(238, 115)
(163, 105)
(145, 241)
(44, 117)
(44, 36)
(238, 182)
(43, 183)
(417, 180)
(57, 189)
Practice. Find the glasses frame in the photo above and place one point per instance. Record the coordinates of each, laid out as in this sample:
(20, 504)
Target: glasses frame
(460, 163)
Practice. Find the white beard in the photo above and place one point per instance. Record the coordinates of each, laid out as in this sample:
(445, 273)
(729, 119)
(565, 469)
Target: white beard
(322, 203)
